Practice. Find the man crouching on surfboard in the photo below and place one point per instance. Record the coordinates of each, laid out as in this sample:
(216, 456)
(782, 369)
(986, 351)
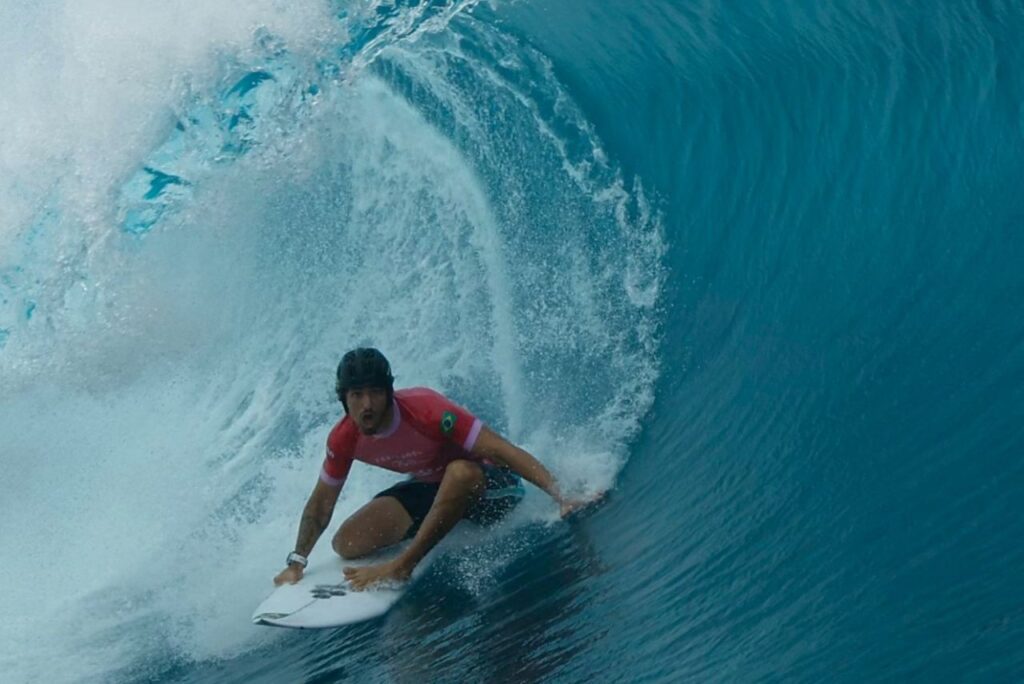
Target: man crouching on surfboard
(460, 469)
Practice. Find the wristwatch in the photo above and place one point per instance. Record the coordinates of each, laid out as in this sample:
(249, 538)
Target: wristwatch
(295, 557)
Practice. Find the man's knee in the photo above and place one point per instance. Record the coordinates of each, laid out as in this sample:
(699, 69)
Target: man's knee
(344, 544)
(466, 473)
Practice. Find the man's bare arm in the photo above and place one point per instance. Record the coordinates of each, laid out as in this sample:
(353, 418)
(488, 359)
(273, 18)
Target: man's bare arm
(496, 448)
(316, 516)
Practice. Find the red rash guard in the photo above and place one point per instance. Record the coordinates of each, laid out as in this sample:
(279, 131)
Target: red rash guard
(427, 432)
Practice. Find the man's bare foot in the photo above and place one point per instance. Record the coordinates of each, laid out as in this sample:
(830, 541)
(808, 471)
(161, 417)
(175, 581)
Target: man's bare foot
(367, 575)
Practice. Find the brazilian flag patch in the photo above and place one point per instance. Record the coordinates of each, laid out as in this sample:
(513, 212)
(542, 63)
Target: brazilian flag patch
(448, 422)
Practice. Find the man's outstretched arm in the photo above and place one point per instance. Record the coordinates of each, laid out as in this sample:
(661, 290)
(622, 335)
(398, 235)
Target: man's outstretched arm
(316, 516)
(496, 448)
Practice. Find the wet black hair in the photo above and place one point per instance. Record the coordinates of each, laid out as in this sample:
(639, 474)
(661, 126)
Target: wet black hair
(363, 367)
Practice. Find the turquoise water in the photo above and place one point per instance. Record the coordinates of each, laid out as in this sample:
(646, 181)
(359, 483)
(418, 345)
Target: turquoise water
(753, 266)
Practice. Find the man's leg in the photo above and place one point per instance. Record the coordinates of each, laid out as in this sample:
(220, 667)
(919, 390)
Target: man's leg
(462, 485)
(380, 523)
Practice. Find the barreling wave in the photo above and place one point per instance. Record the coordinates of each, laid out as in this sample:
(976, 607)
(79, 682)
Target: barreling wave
(412, 177)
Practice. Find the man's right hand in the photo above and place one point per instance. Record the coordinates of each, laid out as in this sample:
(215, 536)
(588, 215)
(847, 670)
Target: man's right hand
(290, 575)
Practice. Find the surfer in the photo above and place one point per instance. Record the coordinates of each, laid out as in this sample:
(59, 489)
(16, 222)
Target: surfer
(460, 468)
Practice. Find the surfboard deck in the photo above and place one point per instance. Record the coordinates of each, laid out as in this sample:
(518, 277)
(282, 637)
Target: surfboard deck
(323, 598)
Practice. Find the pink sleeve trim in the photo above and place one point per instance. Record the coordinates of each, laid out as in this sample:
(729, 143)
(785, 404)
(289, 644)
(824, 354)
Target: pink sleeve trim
(327, 479)
(474, 432)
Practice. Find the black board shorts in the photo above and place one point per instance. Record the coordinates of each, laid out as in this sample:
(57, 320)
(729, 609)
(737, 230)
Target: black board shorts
(504, 490)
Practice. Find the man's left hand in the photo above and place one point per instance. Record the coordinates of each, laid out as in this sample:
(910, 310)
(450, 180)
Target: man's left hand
(570, 506)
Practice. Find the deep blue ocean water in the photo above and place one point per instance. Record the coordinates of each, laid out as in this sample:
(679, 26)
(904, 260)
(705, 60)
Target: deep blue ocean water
(754, 267)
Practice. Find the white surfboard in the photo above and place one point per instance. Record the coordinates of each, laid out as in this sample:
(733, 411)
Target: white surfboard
(323, 598)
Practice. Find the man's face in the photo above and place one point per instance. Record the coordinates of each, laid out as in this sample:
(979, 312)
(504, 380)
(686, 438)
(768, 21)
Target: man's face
(368, 407)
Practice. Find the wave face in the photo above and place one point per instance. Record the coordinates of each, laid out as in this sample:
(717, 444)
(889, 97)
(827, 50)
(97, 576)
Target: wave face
(754, 266)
